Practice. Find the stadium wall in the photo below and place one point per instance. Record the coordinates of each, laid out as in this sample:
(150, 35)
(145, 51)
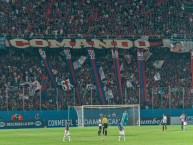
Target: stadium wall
(54, 118)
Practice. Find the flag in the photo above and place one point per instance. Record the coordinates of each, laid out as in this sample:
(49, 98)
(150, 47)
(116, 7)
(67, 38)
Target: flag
(157, 77)
(116, 65)
(44, 87)
(2, 43)
(66, 85)
(72, 77)
(36, 85)
(90, 86)
(96, 75)
(128, 58)
(147, 55)
(109, 94)
(77, 64)
(121, 67)
(101, 72)
(142, 77)
(129, 84)
(158, 64)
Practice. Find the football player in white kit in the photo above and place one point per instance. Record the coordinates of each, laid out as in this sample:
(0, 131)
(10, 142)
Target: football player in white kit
(164, 122)
(100, 124)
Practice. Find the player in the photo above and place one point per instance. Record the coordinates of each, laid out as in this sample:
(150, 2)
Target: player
(164, 122)
(67, 132)
(185, 122)
(182, 118)
(100, 125)
(125, 118)
(121, 130)
(105, 124)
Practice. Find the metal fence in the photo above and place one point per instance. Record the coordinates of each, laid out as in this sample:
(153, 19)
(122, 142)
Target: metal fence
(25, 98)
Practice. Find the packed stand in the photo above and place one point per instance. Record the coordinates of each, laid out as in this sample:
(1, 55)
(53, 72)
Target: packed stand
(89, 18)
(19, 68)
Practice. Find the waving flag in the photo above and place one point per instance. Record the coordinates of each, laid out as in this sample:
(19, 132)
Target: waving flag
(116, 65)
(96, 76)
(142, 77)
(67, 85)
(71, 68)
(191, 53)
(77, 64)
(47, 67)
(44, 87)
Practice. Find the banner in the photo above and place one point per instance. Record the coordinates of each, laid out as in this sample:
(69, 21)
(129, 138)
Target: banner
(83, 43)
(142, 77)
(191, 53)
(96, 76)
(71, 68)
(153, 121)
(116, 65)
(21, 124)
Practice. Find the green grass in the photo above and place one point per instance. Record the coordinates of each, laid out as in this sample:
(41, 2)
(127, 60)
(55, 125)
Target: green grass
(143, 135)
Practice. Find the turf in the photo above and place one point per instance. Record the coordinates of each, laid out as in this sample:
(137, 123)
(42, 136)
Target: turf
(143, 135)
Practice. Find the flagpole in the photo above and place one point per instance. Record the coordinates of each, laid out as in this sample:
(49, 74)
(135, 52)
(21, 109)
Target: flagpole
(125, 95)
(40, 98)
(152, 97)
(7, 97)
(74, 95)
(57, 98)
(183, 97)
(23, 97)
(139, 97)
(91, 96)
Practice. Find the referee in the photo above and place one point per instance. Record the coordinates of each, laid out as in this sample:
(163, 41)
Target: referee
(105, 124)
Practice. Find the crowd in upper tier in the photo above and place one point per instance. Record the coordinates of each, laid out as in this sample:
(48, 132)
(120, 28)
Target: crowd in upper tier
(94, 17)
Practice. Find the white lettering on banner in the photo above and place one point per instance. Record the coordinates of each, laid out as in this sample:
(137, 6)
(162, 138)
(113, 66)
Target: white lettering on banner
(141, 43)
(153, 121)
(58, 123)
(52, 123)
(79, 43)
(56, 44)
(124, 44)
(19, 43)
(107, 43)
(39, 43)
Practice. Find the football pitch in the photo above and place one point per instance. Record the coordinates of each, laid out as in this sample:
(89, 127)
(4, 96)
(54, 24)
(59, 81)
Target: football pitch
(143, 135)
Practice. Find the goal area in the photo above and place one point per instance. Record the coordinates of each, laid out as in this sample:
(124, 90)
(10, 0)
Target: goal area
(88, 115)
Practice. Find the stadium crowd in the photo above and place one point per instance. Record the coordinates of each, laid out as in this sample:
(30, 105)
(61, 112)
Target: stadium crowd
(90, 18)
(94, 18)
(20, 68)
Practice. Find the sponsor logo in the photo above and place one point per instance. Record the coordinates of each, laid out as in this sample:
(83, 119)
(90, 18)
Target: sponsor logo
(2, 124)
(150, 121)
(38, 123)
